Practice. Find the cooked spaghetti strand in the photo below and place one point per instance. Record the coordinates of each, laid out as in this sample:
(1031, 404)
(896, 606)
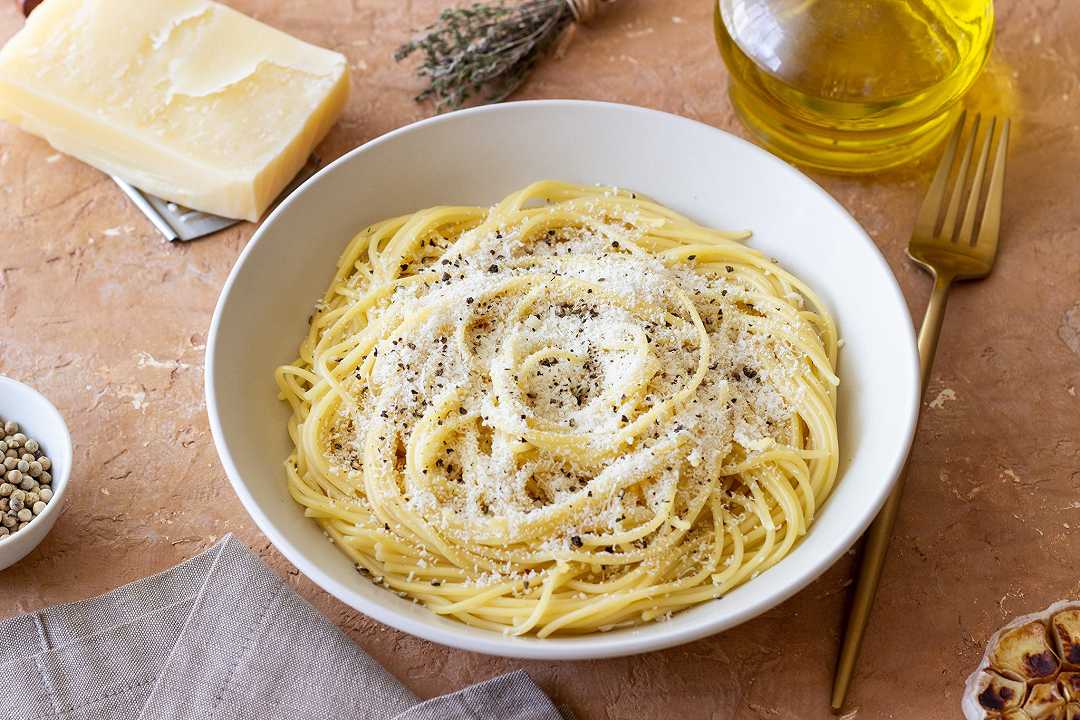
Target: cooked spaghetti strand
(573, 411)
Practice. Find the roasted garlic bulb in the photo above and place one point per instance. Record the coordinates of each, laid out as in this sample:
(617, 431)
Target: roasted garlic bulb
(1031, 669)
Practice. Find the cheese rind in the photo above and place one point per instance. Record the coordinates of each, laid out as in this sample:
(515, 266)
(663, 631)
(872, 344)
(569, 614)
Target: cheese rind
(186, 99)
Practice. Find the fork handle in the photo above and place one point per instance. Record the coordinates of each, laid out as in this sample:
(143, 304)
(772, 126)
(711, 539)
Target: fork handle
(931, 327)
(876, 542)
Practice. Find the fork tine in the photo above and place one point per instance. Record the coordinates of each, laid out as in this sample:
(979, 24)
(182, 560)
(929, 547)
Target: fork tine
(930, 209)
(967, 229)
(991, 220)
(948, 227)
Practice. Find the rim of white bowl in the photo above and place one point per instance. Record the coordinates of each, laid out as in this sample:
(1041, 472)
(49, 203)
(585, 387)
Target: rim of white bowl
(63, 474)
(595, 645)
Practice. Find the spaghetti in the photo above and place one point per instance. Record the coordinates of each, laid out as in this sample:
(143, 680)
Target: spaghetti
(573, 411)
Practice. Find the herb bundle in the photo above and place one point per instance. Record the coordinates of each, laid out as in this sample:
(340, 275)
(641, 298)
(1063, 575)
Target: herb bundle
(486, 51)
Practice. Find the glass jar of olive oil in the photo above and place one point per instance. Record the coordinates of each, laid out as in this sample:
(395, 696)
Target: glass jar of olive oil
(852, 85)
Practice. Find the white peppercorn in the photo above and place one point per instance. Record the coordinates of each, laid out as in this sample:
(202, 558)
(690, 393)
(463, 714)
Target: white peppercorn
(24, 479)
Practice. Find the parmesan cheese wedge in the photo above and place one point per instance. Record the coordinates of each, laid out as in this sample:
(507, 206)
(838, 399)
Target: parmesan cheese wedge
(185, 99)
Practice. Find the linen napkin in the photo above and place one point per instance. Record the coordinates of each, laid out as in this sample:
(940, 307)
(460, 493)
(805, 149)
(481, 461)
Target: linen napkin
(219, 636)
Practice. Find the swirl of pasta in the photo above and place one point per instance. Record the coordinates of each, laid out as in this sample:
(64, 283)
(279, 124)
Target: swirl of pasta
(572, 411)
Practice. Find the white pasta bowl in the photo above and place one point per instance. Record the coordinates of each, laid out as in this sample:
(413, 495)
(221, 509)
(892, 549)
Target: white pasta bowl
(477, 157)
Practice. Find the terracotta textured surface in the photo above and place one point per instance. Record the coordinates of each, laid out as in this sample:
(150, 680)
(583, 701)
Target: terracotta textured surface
(110, 322)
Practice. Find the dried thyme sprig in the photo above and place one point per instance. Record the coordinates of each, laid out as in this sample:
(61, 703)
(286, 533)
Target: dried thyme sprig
(485, 51)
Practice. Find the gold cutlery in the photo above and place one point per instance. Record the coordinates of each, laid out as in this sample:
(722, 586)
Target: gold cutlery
(948, 247)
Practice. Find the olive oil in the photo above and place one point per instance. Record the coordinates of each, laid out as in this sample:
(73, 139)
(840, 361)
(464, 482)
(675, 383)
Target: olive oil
(852, 85)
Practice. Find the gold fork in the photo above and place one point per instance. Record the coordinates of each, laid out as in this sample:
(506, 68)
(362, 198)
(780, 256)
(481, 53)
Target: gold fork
(947, 247)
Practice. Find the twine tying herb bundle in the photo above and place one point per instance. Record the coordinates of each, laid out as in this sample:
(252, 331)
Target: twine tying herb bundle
(487, 50)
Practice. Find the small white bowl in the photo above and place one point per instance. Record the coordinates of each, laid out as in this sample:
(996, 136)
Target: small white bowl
(39, 419)
(477, 157)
